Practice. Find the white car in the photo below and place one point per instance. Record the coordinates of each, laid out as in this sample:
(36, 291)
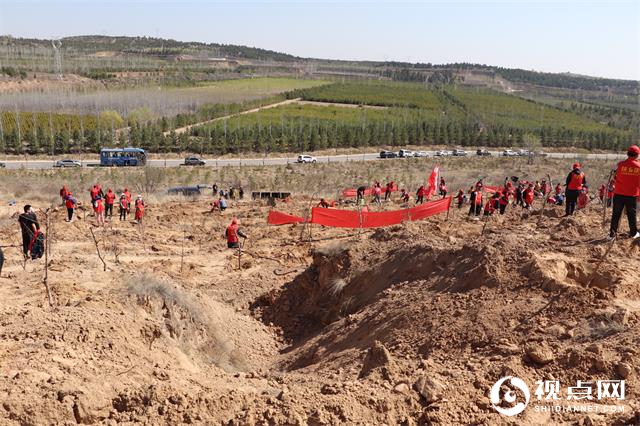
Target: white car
(421, 154)
(509, 153)
(405, 153)
(444, 154)
(306, 159)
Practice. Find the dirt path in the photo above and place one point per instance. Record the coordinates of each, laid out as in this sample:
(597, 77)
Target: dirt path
(181, 130)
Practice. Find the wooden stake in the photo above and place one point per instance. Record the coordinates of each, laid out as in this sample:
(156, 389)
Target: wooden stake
(95, 241)
(46, 260)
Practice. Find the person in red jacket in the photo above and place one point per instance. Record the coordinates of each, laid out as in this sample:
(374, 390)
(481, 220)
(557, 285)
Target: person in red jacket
(575, 182)
(232, 233)
(70, 204)
(558, 189)
(420, 195)
(99, 210)
(109, 199)
(63, 193)
(610, 191)
(626, 193)
(139, 209)
(442, 188)
(461, 198)
(127, 195)
(475, 200)
(387, 190)
(503, 201)
(528, 196)
(601, 192)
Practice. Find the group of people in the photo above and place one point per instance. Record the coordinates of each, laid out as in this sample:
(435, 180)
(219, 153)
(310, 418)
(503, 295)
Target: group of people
(102, 204)
(221, 204)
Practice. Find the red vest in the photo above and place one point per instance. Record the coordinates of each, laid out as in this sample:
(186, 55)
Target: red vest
(628, 178)
(528, 196)
(110, 197)
(232, 233)
(478, 199)
(575, 182)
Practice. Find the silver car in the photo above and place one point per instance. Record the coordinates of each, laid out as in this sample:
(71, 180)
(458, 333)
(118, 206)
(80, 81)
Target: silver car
(67, 163)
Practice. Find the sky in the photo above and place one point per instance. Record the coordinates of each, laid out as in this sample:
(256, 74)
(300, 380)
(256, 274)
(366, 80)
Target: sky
(597, 38)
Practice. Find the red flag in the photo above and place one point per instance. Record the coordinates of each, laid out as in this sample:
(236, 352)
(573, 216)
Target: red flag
(433, 182)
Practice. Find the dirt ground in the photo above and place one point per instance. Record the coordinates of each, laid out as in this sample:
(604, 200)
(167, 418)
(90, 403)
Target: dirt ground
(410, 324)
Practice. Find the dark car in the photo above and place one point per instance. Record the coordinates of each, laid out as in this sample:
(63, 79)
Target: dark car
(194, 161)
(185, 190)
(388, 154)
(483, 153)
(2, 165)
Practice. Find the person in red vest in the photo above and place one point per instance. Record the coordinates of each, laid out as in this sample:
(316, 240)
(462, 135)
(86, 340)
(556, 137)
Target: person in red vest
(503, 201)
(109, 199)
(63, 193)
(626, 193)
(475, 200)
(461, 198)
(139, 209)
(70, 203)
(558, 189)
(387, 190)
(583, 198)
(492, 204)
(601, 192)
(544, 187)
(610, 191)
(528, 196)
(420, 195)
(576, 180)
(127, 194)
(124, 206)
(442, 188)
(377, 193)
(404, 195)
(98, 208)
(232, 233)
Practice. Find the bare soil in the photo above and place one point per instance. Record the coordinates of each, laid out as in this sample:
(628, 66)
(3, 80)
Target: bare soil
(404, 325)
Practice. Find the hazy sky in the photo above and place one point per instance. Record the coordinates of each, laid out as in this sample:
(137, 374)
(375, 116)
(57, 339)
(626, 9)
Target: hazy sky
(600, 38)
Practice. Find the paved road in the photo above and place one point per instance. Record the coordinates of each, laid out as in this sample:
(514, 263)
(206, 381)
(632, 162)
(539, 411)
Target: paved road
(370, 156)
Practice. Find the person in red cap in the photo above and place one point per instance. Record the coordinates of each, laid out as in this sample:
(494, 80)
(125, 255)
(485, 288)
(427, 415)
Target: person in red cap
(626, 193)
(528, 196)
(232, 234)
(575, 182)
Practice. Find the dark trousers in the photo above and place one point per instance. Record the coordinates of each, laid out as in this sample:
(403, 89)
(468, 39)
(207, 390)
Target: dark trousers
(503, 207)
(123, 214)
(621, 202)
(387, 194)
(572, 200)
(475, 209)
(69, 213)
(109, 210)
(26, 241)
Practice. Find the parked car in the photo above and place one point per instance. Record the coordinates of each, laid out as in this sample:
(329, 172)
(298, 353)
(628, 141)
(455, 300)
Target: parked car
(67, 163)
(2, 165)
(194, 161)
(388, 154)
(523, 152)
(459, 153)
(444, 154)
(187, 191)
(421, 154)
(540, 154)
(306, 159)
(483, 153)
(405, 153)
(509, 153)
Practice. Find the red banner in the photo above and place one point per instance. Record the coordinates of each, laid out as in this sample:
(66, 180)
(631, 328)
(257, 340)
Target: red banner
(354, 219)
(433, 182)
(429, 209)
(335, 218)
(279, 218)
(492, 189)
(369, 191)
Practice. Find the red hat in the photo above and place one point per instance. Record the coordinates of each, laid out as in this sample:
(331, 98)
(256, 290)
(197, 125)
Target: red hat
(634, 150)
(576, 165)
(234, 221)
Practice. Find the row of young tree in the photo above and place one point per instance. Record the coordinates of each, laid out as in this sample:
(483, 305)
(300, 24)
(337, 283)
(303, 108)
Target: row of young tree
(301, 136)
